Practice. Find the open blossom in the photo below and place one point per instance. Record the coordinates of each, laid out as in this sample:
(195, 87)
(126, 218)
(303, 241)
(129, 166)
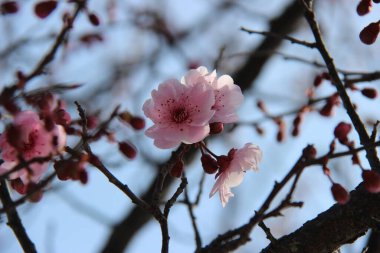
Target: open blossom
(232, 169)
(228, 96)
(28, 138)
(180, 113)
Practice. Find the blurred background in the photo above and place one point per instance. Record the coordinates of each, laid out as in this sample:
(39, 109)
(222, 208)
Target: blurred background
(139, 44)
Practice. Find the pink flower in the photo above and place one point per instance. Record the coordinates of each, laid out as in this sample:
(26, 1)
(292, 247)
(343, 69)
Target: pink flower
(232, 168)
(180, 113)
(28, 138)
(228, 96)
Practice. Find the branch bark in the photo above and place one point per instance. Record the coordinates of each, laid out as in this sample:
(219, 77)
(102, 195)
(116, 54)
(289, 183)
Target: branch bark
(338, 225)
(14, 221)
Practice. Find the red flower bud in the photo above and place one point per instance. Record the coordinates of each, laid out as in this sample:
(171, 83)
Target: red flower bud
(83, 176)
(177, 169)
(369, 33)
(261, 106)
(340, 194)
(309, 152)
(137, 123)
(326, 76)
(36, 195)
(62, 117)
(216, 127)
(341, 131)
(317, 81)
(127, 149)
(90, 38)
(18, 186)
(9, 7)
(371, 181)
(92, 122)
(369, 93)
(209, 164)
(43, 9)
(93, 19)
(364, 7)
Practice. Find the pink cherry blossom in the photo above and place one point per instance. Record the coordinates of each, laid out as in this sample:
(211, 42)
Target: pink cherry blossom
(28, 138)
(232, 169)
(228, 96)
(180, 113)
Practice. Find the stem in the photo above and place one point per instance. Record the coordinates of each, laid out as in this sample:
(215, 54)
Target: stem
(14, 221)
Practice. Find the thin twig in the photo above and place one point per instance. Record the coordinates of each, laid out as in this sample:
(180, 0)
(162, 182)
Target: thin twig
(278, 36)
(14, 221)
(198, 240)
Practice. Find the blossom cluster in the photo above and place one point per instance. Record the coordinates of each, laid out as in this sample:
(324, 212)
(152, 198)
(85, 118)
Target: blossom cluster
(33, 138)
(190, 109)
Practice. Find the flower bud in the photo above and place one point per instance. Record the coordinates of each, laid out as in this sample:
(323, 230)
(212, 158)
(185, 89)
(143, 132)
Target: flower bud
(43, 9)
(260, 104)
(317, 81)
(364, 7)
(61, 117)
(83, 176)
(127, 149)
(93, 19)
(376, 1)
(340, 194)
(9, 7)
(341, 131)
(137, 123)
(216, 127)
(36, 196)
(177, 169)
(209, 164)
(309, 152)
(18, 186)
(371, 181)
(369, 93)
(369, 33)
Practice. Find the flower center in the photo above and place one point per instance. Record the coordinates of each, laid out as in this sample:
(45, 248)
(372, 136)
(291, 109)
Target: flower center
(28, 146)
(179, 115)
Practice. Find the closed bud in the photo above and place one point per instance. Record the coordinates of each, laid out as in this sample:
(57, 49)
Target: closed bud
(309, 152)
(9, 7)
(369, 93)
(340, 194)
(326, 76)
(209, 164)
(216, 127)
(61, 117)
(83, 176)
(261, 106)
(371, 181)
(364, 7)
(93, 19)
(37, 194)
(317, 81)
(45, 8)
(18, 186)
(327, 110)
(177, 169)
(341, 131)
(127, 149)
(369, 33)
(92, 122)
(137, 123)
